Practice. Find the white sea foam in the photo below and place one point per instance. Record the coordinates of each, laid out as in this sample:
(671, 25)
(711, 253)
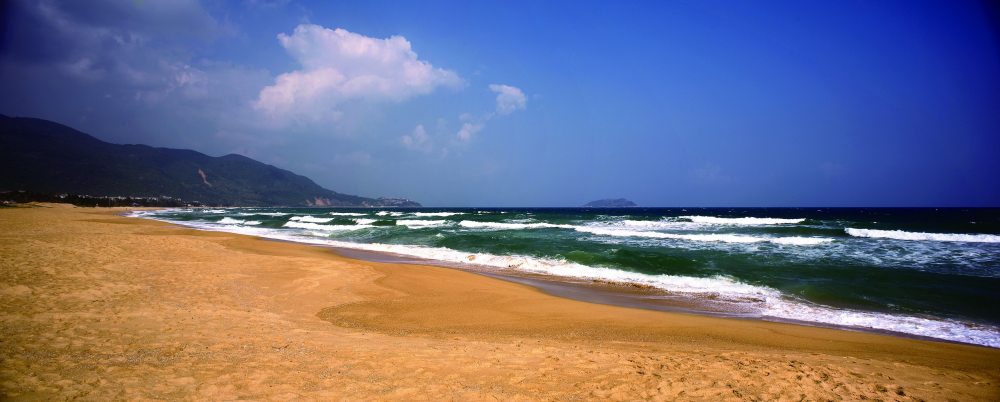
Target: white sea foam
(389, 213)
(263, 213)
(231, 221)
(510, 226)
(658, 225)
(922, 236)
(421, 223)
(325, 228)
(312, 219)
(718, 286)
(347, 214)
(709, 237)
(951, 330)
(618, 232)
(760, 300)
(741, 221)
(144, 214)
(213, 211)
(364, 221)
(799, 241)
(437, 213)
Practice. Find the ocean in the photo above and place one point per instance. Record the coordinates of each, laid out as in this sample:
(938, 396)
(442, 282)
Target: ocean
(928, 272)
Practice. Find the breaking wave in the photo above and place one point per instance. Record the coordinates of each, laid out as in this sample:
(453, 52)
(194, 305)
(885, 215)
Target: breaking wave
(441, 214)
(325, 228)
(741, 221)
(231, 221)
(709, 237)
(312, 219)
(923, 236)
(411, 223)
(510, 226)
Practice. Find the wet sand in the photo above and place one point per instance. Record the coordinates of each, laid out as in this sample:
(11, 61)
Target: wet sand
(97, 306)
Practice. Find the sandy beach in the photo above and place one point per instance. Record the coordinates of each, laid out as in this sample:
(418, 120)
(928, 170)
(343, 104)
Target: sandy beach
(103, 307)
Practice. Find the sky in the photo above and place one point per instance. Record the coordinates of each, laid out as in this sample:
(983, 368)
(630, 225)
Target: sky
(539, 103)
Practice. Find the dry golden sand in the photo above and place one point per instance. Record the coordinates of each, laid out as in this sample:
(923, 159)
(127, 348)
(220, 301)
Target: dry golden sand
(97, 306)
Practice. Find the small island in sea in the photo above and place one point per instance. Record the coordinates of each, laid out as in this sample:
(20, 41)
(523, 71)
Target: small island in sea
(610, 203)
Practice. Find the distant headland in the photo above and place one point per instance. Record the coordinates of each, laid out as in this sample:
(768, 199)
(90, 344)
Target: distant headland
(42, 160)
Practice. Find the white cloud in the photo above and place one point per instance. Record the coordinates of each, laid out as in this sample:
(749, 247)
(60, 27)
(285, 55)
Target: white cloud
(509, 99)
(339, 66)
(468, 130)
(418, 140)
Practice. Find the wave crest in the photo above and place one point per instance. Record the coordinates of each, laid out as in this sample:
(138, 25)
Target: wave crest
(325, 228)
(410, 223)
(750, 221)
(441, 214)
(923, 236)
(510, 226)
(230, 221)
(312, 219)
(709, 237)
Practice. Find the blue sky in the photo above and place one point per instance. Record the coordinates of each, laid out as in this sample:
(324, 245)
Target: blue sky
(673, 103)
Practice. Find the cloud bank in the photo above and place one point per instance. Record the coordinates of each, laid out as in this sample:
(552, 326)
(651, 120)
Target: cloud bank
(128, 71)
(338, 66)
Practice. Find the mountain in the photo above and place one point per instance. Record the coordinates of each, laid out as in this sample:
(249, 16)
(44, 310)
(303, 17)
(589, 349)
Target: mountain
(610, 203)
(41, 156)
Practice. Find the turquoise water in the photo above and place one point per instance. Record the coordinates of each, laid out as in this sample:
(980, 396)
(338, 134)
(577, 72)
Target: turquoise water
(927, 272)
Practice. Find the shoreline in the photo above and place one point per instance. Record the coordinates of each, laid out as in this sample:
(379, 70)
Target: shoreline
(106, 307)
(622, 294)
(607, 293)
